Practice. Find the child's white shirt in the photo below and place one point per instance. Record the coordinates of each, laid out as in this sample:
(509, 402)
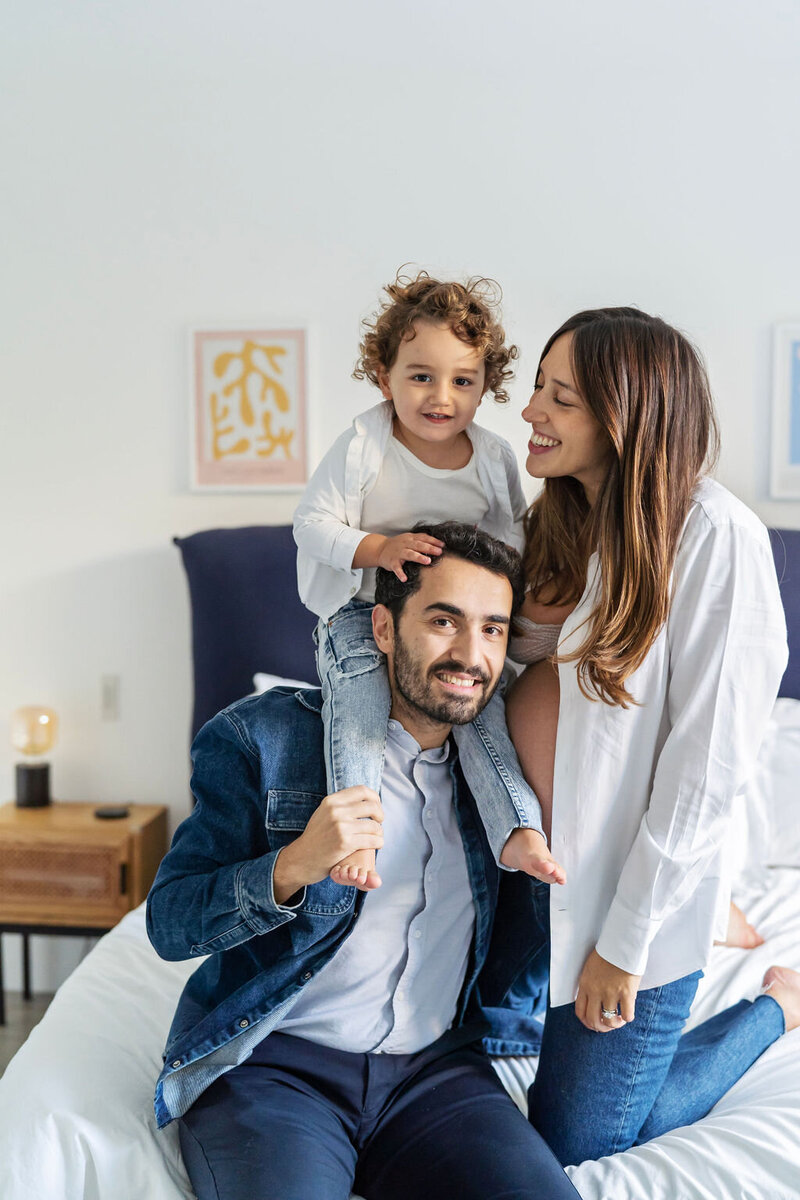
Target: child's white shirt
(408, 490)
(328, 522)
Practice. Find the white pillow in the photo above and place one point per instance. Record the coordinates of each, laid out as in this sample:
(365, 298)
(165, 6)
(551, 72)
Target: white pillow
(776, 786)
(765, 829)
(262, 682)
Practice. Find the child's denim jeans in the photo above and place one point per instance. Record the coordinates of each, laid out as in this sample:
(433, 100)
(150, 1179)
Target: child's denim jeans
(356, 703)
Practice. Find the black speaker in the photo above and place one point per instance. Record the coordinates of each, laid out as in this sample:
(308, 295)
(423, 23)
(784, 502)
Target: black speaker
(33, 785)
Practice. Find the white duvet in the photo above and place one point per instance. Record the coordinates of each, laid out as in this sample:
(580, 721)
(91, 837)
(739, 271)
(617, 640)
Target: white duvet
(76, 1112)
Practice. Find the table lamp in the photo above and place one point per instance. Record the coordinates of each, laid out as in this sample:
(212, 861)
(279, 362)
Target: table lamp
(33, 732)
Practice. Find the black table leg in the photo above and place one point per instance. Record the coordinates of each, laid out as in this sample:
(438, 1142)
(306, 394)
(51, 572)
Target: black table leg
(26, 967)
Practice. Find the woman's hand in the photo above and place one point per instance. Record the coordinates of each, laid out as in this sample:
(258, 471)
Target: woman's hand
(603, 986)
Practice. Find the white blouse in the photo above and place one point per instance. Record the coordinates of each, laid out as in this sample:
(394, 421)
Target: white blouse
(642, 796)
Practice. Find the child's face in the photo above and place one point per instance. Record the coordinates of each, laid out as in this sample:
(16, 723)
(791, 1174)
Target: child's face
(435, 384)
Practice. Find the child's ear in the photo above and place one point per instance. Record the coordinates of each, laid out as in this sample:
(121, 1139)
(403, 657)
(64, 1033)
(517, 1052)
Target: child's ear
(383, 384)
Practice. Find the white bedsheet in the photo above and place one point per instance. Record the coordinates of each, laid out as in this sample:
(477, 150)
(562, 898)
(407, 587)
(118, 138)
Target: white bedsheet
(76, 1115)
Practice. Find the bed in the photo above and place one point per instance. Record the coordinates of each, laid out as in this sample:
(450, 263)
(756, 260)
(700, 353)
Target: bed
(76, 1116)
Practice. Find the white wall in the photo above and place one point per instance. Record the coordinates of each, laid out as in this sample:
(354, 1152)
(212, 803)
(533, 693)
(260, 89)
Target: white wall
(186, 163)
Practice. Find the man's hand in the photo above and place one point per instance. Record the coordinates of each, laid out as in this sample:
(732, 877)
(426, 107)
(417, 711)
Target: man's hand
(603, 986)
(335, 829)
(526, 850)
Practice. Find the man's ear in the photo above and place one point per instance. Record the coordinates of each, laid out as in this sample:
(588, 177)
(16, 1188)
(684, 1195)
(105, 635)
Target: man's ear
(383, 628)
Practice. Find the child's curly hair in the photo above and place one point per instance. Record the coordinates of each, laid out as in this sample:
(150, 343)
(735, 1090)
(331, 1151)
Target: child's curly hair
(470, 309)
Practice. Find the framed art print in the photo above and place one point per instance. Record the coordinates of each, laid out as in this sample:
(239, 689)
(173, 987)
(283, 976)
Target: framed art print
(785, 467)
(248, 409)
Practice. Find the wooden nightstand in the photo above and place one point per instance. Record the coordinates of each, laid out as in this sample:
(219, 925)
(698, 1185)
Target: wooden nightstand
(63, 870)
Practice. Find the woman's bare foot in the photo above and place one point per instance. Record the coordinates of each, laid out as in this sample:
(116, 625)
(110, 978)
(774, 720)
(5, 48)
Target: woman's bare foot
(740, 932)
(783, 985)
(357, 870)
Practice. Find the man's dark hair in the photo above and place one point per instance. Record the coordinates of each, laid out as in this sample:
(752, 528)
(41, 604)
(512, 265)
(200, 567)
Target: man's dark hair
(460, 541)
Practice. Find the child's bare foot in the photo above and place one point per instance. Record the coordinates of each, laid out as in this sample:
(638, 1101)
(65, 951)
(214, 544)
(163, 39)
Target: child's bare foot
(783, 984)
(357, 870)
(740, 932)
(526, 850)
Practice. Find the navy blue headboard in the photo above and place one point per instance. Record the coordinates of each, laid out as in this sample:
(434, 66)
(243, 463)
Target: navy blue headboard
(786, 549)
(246, 614)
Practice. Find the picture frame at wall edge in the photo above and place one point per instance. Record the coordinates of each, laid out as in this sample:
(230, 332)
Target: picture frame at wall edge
(785, 455)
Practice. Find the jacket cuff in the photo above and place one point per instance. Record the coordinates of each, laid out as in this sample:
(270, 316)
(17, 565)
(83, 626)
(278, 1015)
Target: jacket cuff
(255, 895)
(625, 938)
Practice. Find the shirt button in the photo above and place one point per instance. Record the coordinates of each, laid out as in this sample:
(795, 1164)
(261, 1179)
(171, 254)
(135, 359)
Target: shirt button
(244, 1023)
(305, 978)
(352, 591)
(176, 1064)
(417, 933)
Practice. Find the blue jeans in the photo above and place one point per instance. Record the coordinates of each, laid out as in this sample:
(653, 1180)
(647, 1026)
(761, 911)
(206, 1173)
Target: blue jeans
(598, 1093)
(356, 700)
(299, 1120)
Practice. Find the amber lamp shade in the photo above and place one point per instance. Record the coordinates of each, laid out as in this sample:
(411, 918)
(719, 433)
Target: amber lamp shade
(33, 732)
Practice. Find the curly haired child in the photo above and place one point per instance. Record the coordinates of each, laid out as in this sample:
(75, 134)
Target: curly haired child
(433, 350)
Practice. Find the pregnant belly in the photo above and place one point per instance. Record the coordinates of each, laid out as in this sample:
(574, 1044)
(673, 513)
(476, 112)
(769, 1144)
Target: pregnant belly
(532, 713)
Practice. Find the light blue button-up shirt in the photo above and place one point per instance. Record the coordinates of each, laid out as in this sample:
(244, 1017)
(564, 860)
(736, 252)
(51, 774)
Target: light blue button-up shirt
(394, 984)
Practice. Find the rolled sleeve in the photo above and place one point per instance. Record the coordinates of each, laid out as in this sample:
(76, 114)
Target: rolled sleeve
(256, 894)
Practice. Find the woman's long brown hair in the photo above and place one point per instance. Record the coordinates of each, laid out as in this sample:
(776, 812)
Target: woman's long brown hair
(646, 385)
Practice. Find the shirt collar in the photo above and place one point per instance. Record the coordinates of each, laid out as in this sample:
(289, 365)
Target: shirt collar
(409, 747)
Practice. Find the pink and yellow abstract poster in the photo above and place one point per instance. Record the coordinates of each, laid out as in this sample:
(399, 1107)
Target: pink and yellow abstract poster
(249, 409)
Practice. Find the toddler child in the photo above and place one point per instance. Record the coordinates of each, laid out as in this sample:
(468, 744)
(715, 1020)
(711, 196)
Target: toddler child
(433, 350)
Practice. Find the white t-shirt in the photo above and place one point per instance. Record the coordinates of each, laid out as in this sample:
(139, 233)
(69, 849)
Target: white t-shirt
(328, 521)
(407, 490)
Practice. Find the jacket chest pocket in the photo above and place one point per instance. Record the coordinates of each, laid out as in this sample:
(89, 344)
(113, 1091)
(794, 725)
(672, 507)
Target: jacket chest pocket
(288, 813)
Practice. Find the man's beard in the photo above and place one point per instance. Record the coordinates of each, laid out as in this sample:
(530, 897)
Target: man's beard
(417, 689)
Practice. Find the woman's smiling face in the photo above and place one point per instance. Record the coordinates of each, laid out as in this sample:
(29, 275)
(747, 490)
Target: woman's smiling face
(566, 439)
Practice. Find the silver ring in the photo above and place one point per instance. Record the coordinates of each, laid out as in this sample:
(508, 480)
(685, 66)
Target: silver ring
(608, 1014)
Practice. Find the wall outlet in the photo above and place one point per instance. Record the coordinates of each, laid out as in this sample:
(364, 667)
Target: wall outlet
(110, 689)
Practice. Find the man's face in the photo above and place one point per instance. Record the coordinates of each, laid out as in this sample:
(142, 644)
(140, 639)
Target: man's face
(447, 652)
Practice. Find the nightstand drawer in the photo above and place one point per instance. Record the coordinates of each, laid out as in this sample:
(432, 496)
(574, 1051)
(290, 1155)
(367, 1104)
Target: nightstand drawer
(85, 883)
(63, 866)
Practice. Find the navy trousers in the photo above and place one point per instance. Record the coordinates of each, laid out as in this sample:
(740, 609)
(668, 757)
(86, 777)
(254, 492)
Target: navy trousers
(298, 1121)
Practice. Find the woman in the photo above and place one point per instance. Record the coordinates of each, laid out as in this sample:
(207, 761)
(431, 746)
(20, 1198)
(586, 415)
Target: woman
(654, 591)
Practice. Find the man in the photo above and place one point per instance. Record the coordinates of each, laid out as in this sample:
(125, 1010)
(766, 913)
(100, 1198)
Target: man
(328, 1041)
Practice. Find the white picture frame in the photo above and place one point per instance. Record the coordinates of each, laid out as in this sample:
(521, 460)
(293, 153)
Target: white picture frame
(785, 457)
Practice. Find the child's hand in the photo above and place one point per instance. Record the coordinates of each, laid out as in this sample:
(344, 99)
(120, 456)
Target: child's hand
(526, 850)
(407, 547)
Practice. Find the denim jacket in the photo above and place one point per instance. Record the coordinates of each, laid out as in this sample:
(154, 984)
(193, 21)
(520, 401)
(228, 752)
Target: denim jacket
(258, 775)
